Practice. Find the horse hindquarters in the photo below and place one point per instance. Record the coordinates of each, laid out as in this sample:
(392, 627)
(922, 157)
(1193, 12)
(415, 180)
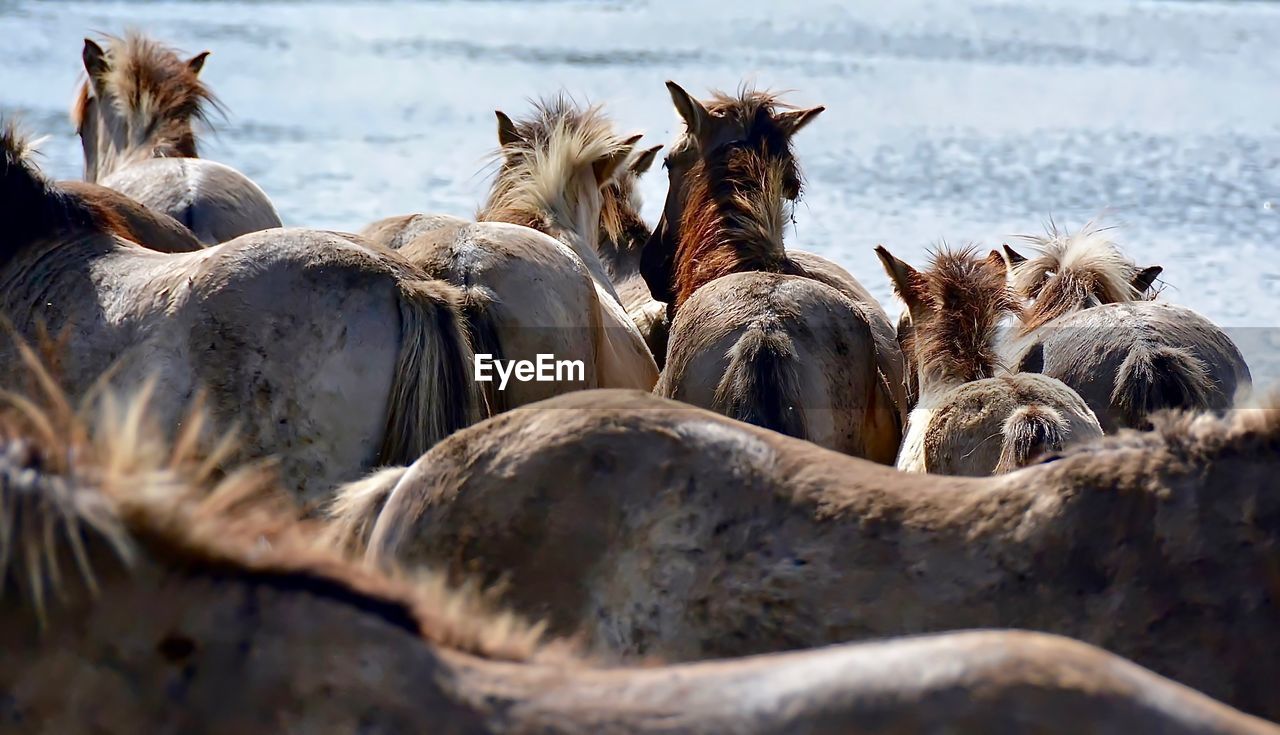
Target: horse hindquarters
(216, 202)
(786, 353)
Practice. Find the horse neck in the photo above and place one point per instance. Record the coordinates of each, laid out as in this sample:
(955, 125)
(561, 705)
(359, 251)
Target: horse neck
(163, 139)
(581, 239)
(732, 225)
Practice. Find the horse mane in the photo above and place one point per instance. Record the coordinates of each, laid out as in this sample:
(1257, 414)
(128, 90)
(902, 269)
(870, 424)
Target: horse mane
(739, 200)
(620, 220)
(87, 478)
(1068, 269)
(155, 90)
(32, 207)
(559, 141)
(966, 297)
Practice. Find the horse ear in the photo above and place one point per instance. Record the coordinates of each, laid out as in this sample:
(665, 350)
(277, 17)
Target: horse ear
(695, 116)
(793, 120)
(608, 165)
(996, 260)
(644, 161)
(1013, 257)
(95, 59)
(507, 134)
(196, 63)
(1145, 278)
(906, 280)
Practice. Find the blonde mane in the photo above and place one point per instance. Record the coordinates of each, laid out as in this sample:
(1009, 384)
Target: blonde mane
(540, 179)
(1069, 270)
(155, 91)
(73, 482)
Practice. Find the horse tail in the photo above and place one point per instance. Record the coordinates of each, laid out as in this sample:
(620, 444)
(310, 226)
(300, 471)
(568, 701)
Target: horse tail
(432, 394)
(1029, 432)
(760, 385)
(477, 311)
(355, 508)
(1159, 377)
(32, 208)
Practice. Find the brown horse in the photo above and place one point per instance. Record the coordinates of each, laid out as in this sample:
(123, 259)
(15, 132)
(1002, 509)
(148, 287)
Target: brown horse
(333, 355)
(653, 528)
(1092, 325)
(789, 343)
(163, 600)
(533, 283)
(135, 116)
(971, 417)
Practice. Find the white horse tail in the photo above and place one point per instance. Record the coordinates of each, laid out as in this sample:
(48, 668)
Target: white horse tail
(432, 394)
(760, 385)
(477, 310)
(1029, 432)
(1158, 377)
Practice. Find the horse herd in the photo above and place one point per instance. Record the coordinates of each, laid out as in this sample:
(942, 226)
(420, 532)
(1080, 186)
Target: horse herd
(248, 482)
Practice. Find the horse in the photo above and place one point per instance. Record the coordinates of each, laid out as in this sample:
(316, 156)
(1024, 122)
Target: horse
(171, 599)
(788, 342)
(1094, 325)
(623, 233)
(332, 354)
(533, 282)
(971, 417)
(651, 528)
(134, 115)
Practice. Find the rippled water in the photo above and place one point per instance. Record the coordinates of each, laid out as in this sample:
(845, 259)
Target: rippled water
(947, 119)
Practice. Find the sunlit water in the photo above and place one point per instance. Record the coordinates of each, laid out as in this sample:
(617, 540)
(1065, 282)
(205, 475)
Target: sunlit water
(948, 119)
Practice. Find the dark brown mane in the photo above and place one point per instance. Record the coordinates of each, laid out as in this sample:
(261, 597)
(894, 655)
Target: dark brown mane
(737, 197)
(966, 297)
(155, 91)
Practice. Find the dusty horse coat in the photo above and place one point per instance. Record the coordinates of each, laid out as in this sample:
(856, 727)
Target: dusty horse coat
(656, 529)
(197, 606)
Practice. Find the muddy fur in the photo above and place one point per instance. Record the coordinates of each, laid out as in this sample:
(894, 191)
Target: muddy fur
(204, 604)
(136, 114)
(656, 529)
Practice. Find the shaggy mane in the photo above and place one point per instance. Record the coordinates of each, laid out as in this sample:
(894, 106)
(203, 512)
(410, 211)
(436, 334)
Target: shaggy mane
(1069, 269)
(738, 198)
(967, 297)
(538, 182)
(68, 483)
(155, 91)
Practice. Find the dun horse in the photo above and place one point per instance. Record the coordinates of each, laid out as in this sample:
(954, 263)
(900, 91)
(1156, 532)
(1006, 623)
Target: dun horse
(532, 279)
(655, 529)
(135, 116)
(790, 343)
(172, 602)
(971, 418)
(332, 355)
(1091, 326)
